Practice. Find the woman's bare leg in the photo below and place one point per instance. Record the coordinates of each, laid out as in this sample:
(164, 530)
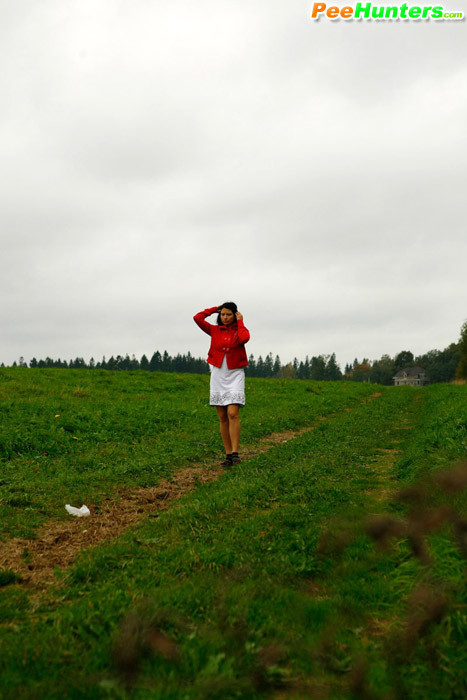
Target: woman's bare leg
(234, 425)
(224, 426)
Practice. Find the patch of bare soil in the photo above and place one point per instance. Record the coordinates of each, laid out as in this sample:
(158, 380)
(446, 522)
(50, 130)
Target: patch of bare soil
(57, 544)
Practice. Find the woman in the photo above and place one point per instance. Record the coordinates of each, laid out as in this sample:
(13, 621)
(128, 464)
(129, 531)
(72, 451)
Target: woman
(227, 357)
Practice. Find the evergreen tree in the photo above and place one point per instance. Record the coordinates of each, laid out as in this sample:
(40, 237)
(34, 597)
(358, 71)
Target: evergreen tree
(318, 368)
(134, 363)
(144, 363)
(277, 366)
(461, 371)
(125, 362)
(259, 367)
(166, 362)
(268, 366)
(79, 363)
(155, 364)
(333, 371)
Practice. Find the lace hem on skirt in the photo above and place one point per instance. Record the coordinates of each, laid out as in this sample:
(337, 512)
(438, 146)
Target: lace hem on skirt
(218, 399)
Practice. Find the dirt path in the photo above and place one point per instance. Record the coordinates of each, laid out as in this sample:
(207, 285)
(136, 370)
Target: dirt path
(58, 543)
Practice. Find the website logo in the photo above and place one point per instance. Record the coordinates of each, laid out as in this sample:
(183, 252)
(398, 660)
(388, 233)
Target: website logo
(369, 11)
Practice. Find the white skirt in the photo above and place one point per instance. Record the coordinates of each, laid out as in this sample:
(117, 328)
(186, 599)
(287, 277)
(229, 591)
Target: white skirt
(227, 385)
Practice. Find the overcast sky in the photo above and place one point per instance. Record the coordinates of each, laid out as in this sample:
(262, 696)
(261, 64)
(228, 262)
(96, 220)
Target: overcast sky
(162, 156)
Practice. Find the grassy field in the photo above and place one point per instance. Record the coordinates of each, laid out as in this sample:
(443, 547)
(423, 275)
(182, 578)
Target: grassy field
(328, 566)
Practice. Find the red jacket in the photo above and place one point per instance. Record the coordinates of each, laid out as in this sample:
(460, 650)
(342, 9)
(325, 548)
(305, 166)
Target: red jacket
(225, 340)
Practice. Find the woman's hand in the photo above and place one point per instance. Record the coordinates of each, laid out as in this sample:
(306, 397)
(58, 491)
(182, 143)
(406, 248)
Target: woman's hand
(239, 316)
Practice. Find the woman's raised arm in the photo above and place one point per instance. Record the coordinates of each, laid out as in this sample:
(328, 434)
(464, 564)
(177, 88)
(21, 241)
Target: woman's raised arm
(200, 317)
(243, 332)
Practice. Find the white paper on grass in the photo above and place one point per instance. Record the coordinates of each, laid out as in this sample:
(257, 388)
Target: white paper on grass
(79, 512)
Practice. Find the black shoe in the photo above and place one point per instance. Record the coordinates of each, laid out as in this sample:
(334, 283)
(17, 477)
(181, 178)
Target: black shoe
(227, 461)
(235, 458)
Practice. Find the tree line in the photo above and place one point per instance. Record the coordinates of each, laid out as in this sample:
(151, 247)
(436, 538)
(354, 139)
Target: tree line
(439, 365)
(159, 362)
(322, 367)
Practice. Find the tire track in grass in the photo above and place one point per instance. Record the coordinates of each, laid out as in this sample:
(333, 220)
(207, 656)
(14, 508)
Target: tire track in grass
(382, 490)
(326, 682)
(59, 543)
(374, 629)
(379, 495)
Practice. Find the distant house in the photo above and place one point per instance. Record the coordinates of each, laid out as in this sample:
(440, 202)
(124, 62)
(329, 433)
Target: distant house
(410, 375)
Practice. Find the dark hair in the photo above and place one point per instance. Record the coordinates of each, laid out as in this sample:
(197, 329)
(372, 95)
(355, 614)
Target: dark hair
(228, 305)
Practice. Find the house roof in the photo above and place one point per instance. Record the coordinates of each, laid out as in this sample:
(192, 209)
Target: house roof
(410, 371)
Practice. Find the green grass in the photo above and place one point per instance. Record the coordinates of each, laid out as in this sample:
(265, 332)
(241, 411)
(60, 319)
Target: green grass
(72, 436)
(265, 580)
